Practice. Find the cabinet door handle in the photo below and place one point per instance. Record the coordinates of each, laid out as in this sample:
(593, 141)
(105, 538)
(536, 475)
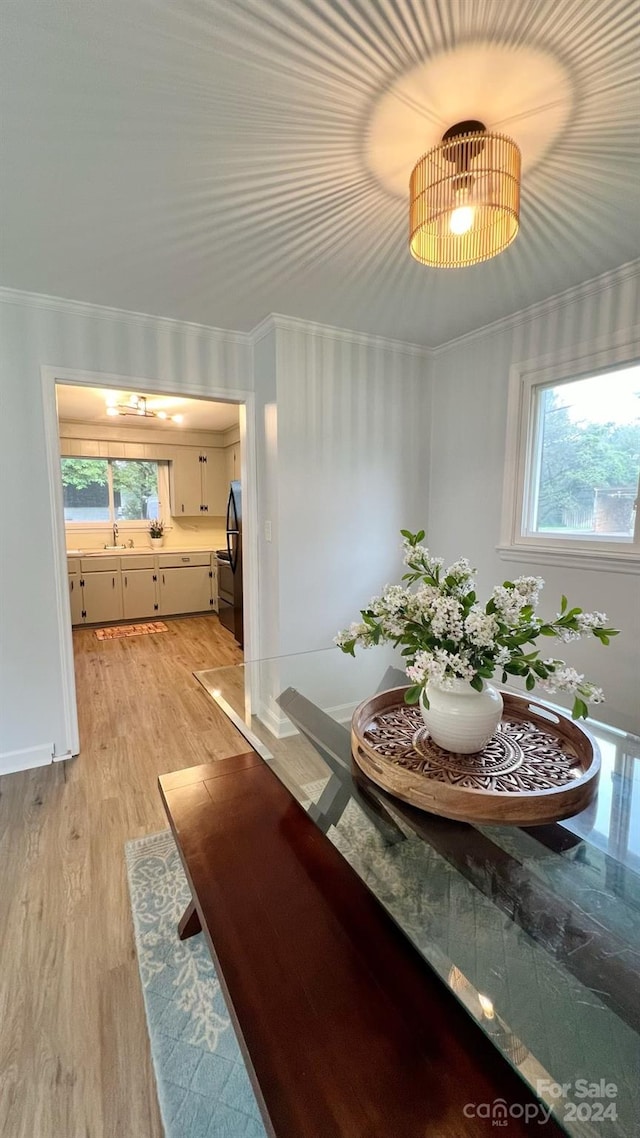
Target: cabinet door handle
(163, 579)
(113, 582)
(183, 507)
(125, 582)
(71, 586)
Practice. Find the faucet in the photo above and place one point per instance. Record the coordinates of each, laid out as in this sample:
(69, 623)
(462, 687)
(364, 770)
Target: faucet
(115, 533)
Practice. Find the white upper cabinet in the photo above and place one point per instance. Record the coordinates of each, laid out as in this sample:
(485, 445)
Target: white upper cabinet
(186, 483)
(232, 456)
(199, 482)
(215, 486)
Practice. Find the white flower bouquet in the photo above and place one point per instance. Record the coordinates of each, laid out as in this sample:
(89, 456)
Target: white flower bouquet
(447, 635)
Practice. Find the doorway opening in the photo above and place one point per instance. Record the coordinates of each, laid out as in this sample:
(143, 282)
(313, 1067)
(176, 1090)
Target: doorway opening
(148, 490)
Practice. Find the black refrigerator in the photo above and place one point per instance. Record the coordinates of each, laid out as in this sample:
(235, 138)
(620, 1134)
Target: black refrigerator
(230, 568)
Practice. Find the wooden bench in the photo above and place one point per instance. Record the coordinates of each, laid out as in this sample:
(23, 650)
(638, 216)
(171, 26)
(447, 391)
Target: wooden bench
(346, 1032)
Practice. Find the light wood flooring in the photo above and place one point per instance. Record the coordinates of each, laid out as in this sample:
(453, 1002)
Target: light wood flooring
(74, 1051)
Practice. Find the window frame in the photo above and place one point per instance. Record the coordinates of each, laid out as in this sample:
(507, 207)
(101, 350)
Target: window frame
(123, 523)
(516, 542)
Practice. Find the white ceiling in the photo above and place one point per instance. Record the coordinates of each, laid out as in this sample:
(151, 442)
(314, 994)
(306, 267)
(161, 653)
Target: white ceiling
(216, 161)
(89, 405)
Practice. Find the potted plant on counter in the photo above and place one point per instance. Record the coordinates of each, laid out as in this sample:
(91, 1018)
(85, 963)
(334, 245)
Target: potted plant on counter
(156, 533)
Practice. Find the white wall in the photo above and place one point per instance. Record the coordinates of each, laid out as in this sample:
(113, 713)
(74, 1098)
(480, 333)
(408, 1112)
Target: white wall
(344, 426)
(168, 356)
(353, 443)
(470, 380)
(342, 463)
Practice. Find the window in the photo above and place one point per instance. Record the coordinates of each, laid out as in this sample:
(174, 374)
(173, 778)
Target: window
(109, 490)
(573, 466)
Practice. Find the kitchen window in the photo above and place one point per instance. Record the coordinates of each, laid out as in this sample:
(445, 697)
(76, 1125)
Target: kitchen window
(573, 467)
(108, 490)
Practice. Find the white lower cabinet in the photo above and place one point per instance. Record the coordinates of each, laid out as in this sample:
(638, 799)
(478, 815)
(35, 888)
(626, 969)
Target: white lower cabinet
(139, 593)
(185, 590)
(102, 596)
(75, 598)
(141, 586)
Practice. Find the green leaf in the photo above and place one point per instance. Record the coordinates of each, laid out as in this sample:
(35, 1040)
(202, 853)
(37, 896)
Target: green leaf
(412, 694)
(476, 683)
(580, 709)
(530, 682)
(563, 604)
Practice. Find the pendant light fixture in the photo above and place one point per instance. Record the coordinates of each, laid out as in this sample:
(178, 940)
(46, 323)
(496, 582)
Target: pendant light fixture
(464, 197)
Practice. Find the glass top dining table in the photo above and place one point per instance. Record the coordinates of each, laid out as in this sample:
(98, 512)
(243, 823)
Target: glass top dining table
(535, 930)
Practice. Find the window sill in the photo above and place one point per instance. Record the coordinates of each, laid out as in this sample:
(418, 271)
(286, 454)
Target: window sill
(605, 560)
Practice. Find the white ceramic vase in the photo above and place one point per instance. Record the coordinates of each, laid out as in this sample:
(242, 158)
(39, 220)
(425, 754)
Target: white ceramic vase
(156, 542)
(461, 719)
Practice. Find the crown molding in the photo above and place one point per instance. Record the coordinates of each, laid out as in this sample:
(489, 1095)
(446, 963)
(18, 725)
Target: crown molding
(85, 309)
(278, 322)
(545, 307)
(275, 321)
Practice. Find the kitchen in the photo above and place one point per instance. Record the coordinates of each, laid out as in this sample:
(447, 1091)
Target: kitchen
(151, 489)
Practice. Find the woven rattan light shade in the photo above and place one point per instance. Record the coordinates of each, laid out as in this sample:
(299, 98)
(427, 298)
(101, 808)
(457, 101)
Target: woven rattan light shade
(464, 199)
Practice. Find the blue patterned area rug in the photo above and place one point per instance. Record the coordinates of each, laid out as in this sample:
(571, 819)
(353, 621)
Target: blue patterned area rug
(203, 1086)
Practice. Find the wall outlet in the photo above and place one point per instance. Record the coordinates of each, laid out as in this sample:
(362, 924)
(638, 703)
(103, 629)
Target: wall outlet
(267, 531)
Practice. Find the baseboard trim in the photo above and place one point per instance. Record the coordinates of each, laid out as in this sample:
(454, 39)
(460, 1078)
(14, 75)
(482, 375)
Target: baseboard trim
(26, 758)
(282, 728)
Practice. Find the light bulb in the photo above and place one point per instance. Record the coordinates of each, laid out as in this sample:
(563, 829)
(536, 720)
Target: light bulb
(112, 411)
(161, 414)
(177, 418)
(461, 219)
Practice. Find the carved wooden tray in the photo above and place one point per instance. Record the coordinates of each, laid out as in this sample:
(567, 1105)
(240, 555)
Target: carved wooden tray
(538, 767)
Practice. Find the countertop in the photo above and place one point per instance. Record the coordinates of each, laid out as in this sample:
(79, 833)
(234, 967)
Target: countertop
(138, 550)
